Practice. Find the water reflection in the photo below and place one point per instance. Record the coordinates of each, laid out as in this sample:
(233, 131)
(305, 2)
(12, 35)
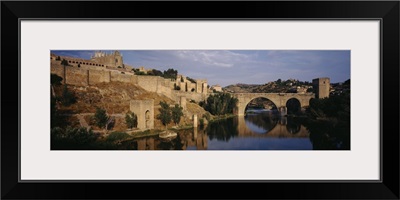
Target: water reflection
(261, 122)
(261, 131)
(222, 130)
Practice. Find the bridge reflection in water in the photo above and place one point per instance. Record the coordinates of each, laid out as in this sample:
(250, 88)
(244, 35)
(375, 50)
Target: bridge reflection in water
(235, 130)
(249, 126)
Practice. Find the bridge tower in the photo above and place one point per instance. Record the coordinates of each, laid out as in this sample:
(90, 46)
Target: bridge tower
(321, 87)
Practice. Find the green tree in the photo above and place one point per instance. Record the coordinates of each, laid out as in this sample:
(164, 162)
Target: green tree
(219, 104)
(171, 73)
(131, 119)
(55, 79)
(58, 58)
(64, 62)
(177, 114)
(156, 72)
(101, 117)
(165, 114)
(140, 73)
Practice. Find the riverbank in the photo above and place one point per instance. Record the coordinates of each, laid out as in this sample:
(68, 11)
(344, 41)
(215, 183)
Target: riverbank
(222, 117)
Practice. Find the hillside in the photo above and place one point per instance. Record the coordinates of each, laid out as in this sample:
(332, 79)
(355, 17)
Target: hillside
(115, 98)
(279, 86)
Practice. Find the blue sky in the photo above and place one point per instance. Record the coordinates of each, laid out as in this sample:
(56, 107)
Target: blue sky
(227, 67)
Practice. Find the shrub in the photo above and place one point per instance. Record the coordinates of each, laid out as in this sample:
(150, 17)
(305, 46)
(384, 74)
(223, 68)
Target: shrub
(177, 114)
(207, 116)
(131, 120)
(67, 97)
(55, 79)
(165, 114)
(201, 120)
(101, 117)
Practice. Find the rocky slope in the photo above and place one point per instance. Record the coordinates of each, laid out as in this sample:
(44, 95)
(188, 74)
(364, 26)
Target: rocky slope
(115, 98)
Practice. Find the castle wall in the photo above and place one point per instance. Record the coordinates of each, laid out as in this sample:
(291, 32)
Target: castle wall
(125, 78)
(76, 76)
(148, 83)
(87, 75)
(96, 76)
(191, 86)
(188, 95)
(57, 69)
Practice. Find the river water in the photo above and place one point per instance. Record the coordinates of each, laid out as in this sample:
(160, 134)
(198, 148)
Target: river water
(258, 130)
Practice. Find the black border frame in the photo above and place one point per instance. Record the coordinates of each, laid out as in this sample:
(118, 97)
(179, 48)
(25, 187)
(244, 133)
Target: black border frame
(386, 11)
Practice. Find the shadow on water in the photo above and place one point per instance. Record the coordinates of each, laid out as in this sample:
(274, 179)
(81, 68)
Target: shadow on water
(293, 126)
(328, 135)
(222, 130)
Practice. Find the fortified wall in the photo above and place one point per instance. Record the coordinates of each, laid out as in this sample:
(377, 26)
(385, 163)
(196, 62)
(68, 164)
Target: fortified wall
(88, 75)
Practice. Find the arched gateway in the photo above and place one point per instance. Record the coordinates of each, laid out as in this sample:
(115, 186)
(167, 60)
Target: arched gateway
(279, 99)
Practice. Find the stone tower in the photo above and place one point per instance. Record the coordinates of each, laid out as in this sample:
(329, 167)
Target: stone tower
(144, 110)
(118, 59)
(113, 60)
(321, 87)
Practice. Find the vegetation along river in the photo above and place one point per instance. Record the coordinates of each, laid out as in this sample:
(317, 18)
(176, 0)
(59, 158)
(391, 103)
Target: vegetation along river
(260, 129)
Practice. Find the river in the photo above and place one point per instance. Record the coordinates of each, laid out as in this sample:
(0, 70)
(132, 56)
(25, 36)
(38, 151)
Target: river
(258, 130)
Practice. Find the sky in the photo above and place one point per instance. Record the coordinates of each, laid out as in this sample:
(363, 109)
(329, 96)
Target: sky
(226, 67)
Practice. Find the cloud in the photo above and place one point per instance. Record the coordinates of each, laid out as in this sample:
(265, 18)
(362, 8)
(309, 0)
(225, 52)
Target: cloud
(227, 67)
(211, 58)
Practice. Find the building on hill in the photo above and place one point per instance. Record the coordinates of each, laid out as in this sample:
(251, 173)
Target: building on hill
(99, 59)
(217, 88)
(113, 60)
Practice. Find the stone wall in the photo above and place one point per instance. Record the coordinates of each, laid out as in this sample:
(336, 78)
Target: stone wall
(96, 76)
(125, 78)
(148, 83)
(93, 75)
(176, 95)
(144, 110)
(57, 69)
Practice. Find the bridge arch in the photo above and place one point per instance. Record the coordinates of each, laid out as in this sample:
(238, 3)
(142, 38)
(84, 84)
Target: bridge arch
(263, 99)
(279, 99)
(293, 105)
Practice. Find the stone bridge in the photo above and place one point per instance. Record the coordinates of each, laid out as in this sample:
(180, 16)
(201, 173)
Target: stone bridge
(279, 99)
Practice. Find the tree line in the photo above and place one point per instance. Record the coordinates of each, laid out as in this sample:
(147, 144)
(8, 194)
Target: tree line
(219, 104)
(169, 73)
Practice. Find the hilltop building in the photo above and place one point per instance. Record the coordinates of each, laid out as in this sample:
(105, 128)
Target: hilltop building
(112, 60)
(217, 88)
